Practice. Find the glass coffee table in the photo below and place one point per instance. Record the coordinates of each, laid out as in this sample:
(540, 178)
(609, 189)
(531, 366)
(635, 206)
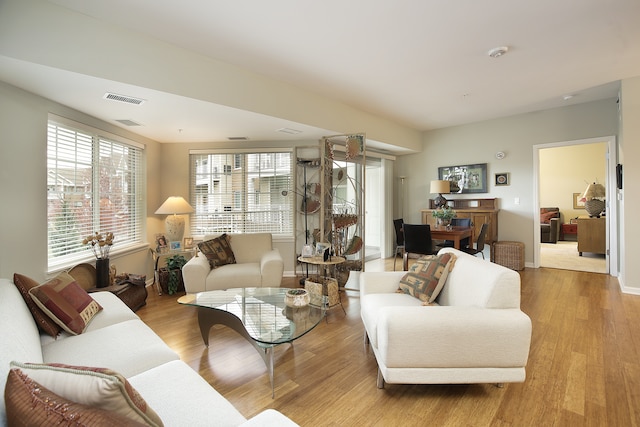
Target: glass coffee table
(258, 314)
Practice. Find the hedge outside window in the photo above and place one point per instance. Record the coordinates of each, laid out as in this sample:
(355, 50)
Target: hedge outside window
(241, 193)
(94, 183)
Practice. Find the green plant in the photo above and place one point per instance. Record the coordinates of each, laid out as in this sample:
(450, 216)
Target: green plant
(444, 213)
(174, 264)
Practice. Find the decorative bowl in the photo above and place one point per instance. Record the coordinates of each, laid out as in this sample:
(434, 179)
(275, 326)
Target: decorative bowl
(296, 298)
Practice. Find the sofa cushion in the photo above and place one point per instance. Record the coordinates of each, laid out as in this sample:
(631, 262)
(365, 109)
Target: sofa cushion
(44, 322)
(95, 387)
(31, 404)
(218, 251)
(545, 218)
(427, 276)
(66, 303)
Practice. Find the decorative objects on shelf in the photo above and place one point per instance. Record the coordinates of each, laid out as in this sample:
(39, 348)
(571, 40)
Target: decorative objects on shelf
(440, 186)
(593, 199)
(297, 298)
(174, 207)
(101, 246)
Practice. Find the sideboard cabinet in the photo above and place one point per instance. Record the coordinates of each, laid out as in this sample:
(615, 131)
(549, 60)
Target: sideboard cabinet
(592, 235)
(479, 210)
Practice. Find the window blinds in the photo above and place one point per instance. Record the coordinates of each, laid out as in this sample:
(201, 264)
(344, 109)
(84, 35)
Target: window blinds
(94, 184)
(241, 193)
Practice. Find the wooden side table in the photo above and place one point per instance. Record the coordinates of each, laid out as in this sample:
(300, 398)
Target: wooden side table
(569, 230)
(160, 260)
(324, 288)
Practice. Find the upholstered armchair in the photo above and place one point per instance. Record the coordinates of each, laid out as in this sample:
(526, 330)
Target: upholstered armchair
(550, 222)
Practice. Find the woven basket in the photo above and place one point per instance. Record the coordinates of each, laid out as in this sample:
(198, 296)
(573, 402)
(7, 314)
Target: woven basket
(508, 254)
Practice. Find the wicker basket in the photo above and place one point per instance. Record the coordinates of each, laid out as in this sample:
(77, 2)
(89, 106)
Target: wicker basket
(321, 292)
(508, 254)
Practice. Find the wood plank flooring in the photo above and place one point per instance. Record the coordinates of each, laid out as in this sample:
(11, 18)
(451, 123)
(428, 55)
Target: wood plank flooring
(583, 369)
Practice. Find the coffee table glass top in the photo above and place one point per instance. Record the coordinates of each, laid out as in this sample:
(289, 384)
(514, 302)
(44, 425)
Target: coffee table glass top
(262, 311)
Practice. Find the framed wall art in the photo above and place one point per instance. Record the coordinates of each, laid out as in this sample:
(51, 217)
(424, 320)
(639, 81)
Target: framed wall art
(502, 178)
(465, 178)
(577, 204)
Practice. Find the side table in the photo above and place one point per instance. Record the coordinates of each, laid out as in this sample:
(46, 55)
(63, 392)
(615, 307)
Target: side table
(160, 260)
(325, 290)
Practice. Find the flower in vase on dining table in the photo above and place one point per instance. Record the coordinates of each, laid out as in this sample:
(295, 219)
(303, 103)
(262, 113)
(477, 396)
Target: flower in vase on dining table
(100, 244)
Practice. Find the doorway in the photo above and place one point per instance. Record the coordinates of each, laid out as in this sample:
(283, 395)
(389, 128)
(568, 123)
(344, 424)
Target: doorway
(563, 171)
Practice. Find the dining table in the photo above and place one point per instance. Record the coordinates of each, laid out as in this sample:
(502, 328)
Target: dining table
(455, 233)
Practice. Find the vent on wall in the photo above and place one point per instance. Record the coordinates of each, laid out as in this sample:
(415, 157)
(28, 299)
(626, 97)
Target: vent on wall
(238, 138)
(123, 98)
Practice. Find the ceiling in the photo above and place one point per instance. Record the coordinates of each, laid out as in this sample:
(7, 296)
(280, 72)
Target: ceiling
(422, 64)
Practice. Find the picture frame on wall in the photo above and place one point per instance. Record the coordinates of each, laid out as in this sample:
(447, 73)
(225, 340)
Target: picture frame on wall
(465, 178)
(577, 204)
(502, 178)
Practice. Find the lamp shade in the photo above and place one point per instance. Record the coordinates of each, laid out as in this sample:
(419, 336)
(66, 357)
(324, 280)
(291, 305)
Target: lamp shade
(594, 191)
(174, 205)
(440, 186)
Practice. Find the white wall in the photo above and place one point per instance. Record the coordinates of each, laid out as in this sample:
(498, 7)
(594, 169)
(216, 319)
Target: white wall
(515, 135)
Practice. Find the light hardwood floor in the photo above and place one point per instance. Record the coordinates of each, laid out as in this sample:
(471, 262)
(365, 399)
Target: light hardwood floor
(583, 369)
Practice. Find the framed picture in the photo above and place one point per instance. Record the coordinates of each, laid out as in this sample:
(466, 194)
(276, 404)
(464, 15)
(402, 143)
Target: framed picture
(502, 178)
(188, 243)
(321, 247)
(577, 204)
(465, 178)
(161, 243)
(175, 246)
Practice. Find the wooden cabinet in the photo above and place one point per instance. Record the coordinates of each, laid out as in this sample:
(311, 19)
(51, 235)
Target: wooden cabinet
(479, 210)
(592, 235)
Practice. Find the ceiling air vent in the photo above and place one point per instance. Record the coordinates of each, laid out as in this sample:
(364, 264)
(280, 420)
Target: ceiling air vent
(128, 122)
(238, 138)
(123, 98)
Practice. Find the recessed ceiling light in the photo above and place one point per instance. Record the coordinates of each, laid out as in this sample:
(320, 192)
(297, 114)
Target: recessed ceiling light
(497, 52)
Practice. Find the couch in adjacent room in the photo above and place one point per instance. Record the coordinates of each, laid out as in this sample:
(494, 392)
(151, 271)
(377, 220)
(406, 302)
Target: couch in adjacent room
(234, 261)
(467, 327)
(550, 224)
(142, 381)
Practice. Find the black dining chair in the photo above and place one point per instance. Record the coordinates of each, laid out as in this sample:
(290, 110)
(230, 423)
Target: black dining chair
(417, 240)
(479, 243)
(397, 224)
(464, 243)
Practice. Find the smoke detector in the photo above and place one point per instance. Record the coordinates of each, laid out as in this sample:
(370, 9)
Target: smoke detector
(497, 52)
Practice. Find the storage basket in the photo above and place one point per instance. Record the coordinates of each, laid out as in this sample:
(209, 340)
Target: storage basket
(319, 292)
(508, 254)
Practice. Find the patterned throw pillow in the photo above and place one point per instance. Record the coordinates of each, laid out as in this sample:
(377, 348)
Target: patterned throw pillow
(427, 276)
(545, 217)
(98, 389)
(44, 322)
(66, 303)
(218, 251)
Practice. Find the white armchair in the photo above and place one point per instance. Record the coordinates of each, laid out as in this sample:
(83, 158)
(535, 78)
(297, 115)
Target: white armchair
(258, 264)
(477, 334)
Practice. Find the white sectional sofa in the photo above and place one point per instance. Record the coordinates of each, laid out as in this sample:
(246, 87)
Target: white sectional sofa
(117, 339)
(477, 333)
(258, 264)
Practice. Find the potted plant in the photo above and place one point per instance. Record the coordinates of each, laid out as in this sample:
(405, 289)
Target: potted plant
(443, 215)
(174, 266)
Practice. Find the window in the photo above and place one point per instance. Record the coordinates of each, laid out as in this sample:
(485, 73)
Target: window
(94, 183)
(255, 196)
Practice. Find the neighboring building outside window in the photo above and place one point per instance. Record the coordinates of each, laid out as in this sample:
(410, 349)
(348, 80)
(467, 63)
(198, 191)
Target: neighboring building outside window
(255, 196)
(94, 184)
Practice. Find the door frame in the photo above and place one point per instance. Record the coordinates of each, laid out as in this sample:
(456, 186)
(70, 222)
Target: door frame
(612, 204)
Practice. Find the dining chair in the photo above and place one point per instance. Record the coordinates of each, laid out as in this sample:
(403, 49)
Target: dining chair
(397, 224)
(417, 240)
(479, 243)
(464, 243)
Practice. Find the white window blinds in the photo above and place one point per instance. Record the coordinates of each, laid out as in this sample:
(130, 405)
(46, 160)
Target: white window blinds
(94, 184)
(241, 193)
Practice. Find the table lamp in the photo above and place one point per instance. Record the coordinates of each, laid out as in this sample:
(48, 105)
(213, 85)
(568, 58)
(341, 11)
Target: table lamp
(591, 198)
(440, 186)
(174, 207)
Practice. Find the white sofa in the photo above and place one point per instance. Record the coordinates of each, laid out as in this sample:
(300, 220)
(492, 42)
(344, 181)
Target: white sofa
(117, 339)
(477, 333)
(258, 264)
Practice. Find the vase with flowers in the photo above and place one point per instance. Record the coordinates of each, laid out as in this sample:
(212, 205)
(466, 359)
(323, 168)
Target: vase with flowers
(101, 246)
(443, 215)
